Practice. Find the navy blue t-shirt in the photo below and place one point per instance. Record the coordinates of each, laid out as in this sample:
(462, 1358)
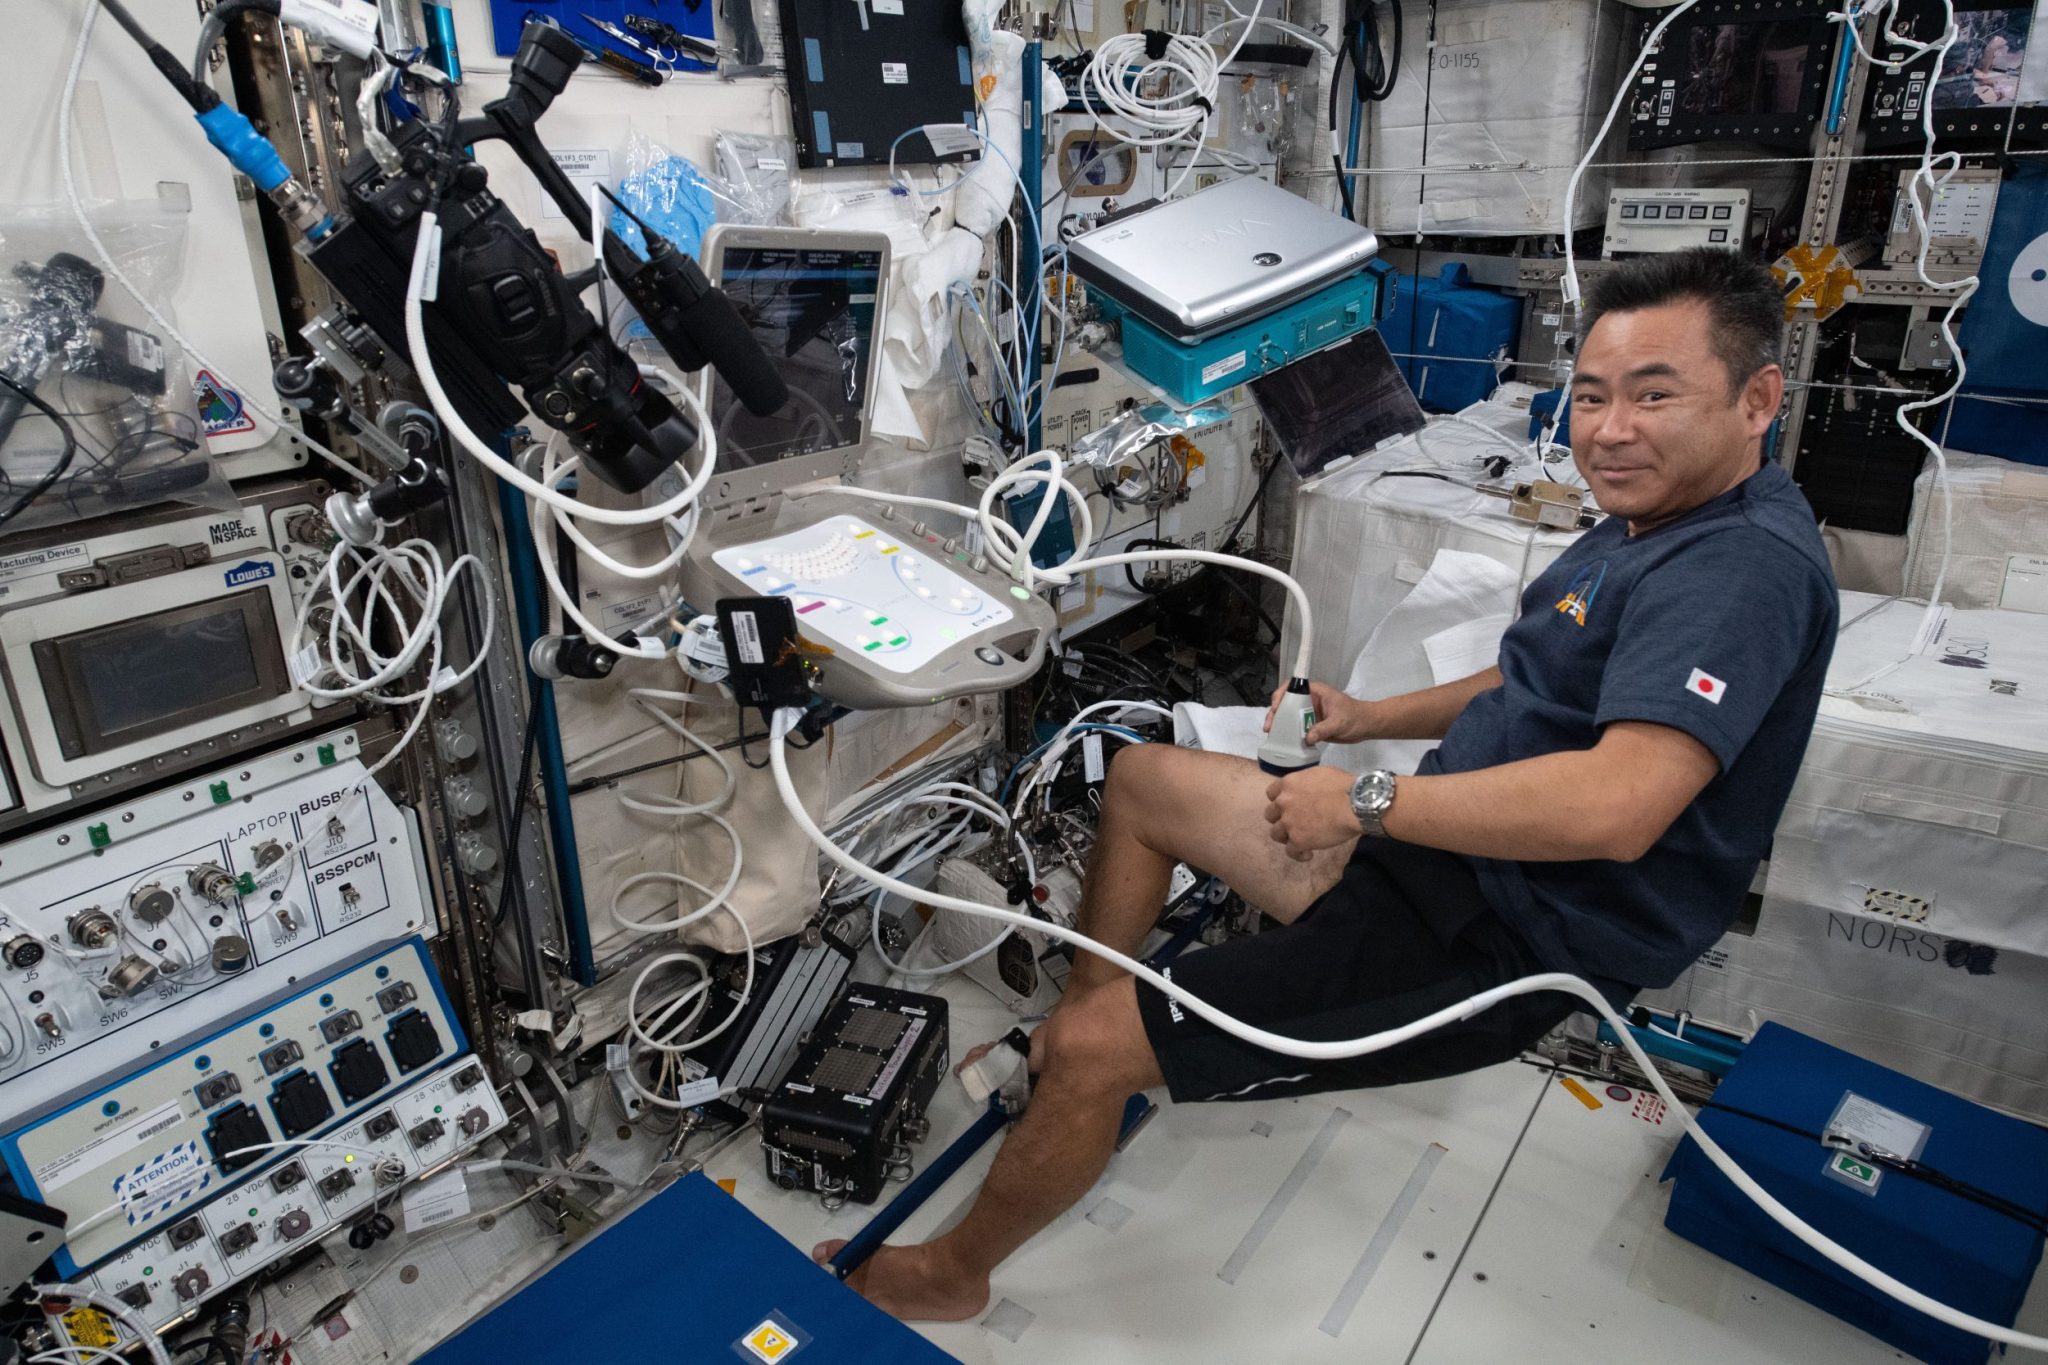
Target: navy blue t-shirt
(1719, 624)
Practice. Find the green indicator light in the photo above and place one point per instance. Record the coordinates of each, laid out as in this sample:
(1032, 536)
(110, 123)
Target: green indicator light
(252, 1210)
(876, 620)
(98, 835)
(901, 639)
(437, 1108)
(872, 645)
(149, 1270)
(220, 793)
(1019, 594)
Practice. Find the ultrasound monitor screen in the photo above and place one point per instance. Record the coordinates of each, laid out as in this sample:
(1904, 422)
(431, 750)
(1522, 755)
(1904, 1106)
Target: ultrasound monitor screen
(813, 311)
(1744, 68)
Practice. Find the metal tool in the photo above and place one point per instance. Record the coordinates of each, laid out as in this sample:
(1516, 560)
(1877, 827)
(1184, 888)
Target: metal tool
(664, 61)
(667, 35)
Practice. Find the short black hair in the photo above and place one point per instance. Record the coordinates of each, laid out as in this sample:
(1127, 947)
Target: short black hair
(1742, 297)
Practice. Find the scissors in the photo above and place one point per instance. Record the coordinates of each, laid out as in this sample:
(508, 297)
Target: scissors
(664, 59)
(688, 45)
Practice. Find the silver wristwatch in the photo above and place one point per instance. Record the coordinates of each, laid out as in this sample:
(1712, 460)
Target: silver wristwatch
(1372, 796)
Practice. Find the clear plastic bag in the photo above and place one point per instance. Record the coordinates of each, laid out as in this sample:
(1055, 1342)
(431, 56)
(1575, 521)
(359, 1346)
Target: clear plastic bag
(668, 193)
(97, 412)
(755, 169)
(1112, 452)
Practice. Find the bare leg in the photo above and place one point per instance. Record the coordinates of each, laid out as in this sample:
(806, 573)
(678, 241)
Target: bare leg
(1096, 1056)
(1165, 805)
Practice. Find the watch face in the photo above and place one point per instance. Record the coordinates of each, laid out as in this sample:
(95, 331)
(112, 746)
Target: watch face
(1372, 794)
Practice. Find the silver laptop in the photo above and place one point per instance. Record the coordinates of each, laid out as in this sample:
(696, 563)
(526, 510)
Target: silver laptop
(1194, 267)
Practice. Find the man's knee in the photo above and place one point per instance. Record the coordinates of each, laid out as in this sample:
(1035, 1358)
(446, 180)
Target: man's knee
(1097, 1041)
(1146, 779)
(1136, 769)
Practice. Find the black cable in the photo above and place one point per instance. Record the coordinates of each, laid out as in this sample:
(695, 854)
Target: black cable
(200, 96)
(520, 801)
(1995, 1203)
(590, 784)
(1336, 148)
(204, 1345)
(1388, 62)
(57, 471)
(741, 727)
(1250, 507)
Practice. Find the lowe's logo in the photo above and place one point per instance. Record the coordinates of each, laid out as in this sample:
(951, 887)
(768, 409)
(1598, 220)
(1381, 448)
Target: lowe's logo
(249, 571)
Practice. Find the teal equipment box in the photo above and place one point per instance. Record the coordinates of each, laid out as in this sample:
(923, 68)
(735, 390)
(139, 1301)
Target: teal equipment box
(1191, 371)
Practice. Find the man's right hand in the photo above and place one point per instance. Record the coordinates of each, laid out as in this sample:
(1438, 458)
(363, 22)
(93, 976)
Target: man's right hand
(1339, 719)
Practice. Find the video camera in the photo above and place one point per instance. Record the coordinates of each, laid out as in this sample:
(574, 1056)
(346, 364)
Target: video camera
(505, 313)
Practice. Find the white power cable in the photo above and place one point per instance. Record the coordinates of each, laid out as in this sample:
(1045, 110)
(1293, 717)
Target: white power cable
(113, 1308)
(1357, 1047)
(1187, 77)
(1924, 177)
(66, 117)
(907, 858)
(658, 1028)
(424, 585)
(1623, 93)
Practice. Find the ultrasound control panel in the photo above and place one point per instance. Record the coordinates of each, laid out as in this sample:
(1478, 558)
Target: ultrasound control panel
(897, 615)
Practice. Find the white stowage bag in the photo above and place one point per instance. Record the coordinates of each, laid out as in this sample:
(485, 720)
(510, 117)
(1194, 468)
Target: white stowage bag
(1448, 627)
(1519, 82)
(1998, 538)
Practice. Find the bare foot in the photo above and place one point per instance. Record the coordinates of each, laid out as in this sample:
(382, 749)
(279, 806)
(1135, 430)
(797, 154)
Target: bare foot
(907, 1282)
(975, 1054)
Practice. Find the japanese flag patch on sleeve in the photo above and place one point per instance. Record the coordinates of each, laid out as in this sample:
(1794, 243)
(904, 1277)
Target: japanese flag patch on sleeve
(1705, 685)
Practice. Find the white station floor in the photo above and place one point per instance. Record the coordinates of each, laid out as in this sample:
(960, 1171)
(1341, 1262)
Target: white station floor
(1491, 1217)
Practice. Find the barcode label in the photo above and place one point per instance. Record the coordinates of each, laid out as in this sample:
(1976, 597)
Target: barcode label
(949, 138)
(305, 665)
(441, 1200)
(698, 1092)
(746, 633)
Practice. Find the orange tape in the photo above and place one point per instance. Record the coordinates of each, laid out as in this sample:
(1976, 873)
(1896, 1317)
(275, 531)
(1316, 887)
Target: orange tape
(1580, 1093)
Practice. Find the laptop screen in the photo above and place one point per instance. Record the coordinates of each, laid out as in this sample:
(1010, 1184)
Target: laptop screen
(1342, 400)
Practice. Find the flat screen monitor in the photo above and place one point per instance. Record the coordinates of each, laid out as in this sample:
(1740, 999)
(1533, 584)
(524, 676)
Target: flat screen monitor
(1983, 67)
(1969, 100)
(814, 301)
(1744, 69)
(1725, 73)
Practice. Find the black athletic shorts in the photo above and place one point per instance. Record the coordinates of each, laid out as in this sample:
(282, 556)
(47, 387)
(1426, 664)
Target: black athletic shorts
(1404, 933)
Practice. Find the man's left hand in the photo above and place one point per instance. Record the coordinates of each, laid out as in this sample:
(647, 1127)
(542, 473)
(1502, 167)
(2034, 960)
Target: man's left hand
(1311, 809)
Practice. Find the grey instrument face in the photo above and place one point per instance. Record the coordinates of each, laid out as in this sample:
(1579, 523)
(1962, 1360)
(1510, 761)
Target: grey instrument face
(1195, 266)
